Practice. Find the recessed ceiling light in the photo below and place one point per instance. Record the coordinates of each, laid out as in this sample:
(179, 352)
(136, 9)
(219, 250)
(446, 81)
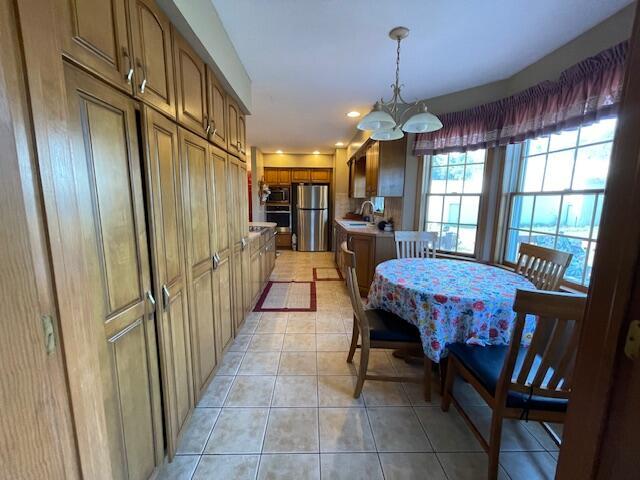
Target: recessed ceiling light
(339, 144)
(316, 152)
(279, 152)
(353, 114)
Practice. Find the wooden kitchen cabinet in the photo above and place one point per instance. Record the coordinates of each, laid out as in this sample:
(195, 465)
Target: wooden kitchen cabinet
(320, 175)
(153, 80)
(191, 90)
(94, 34)
(357, 177)
(217, 110)
(300, 175)
(162, 164)
(233, 115)
(283, 240)
(377, 170)
(271, 176)
(284, 176)
(242, 136)
(104, 144)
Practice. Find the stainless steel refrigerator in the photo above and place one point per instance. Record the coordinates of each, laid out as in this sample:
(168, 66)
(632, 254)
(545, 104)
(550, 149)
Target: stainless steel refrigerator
(313, 218)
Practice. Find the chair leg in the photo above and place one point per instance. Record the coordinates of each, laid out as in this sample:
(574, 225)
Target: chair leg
(448, 385)
(362, 371)
(354, 340)
(495, 437)
(427, 379)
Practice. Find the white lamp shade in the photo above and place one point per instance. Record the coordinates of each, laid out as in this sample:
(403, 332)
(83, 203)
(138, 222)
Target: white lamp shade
(387, 134)
(376, 120)
(422, 123)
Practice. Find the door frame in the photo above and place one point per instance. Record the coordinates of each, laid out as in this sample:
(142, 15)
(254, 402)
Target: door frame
(615, 268)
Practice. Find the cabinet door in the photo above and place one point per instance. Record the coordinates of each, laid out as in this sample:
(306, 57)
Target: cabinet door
(300, 175)
(102, 129)
(224, 314)
(255, 275)
(364, 248)
(170, 280)
(246, 278)
(242, 136)
(233, 119)
(320, 175)
(217, 111)
(94, 34)
(191, 93)
(271, 176)
(375, 168)
(152, 56)
(284, 176)
(197, 181)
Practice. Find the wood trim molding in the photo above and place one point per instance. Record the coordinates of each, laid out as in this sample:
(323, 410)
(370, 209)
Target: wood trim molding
(614, 268)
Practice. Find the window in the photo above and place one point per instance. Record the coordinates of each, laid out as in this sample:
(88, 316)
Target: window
(556, 201)
(378, 205)
(453, 199)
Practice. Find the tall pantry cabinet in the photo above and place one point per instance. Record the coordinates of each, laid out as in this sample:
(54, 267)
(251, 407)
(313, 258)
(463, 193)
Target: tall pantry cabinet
(158, 151)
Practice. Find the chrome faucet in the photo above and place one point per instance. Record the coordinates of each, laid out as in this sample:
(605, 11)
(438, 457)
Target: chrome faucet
(361, 211)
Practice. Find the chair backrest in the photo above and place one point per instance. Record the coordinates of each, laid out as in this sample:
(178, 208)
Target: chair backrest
(349, 259)
(544, 267)
(416, 244)
(546, 367)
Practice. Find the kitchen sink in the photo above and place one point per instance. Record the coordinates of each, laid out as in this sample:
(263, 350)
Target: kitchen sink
(360, 224)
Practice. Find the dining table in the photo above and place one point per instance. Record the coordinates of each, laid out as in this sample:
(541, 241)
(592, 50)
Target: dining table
(450, 301)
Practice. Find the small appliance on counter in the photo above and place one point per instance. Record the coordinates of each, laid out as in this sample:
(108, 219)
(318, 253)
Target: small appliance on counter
(313, 218)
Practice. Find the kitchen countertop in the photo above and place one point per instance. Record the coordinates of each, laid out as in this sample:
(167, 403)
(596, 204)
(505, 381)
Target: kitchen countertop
(263, 224)
(373, 231)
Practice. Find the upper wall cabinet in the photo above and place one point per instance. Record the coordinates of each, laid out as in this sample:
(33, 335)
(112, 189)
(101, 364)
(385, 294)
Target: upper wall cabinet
(233, 114)
(191, 93)
(94, 34)
(242, 136)
(152, 56)
(217, 111)
(383, 170)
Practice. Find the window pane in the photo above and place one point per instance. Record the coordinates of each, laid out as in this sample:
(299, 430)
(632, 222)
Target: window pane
(602, 131)
(469, 210)
(590, 256)
(596, 220)
(592, 166)
(576, 215)
(451, 211)
(449, 237)
(558, 174)
(533, 173)
(437, 160)
(476, 156)
(433, 227)
(538, 145)
(521, 211)
(438, 180)
(434, 208)
(473, 178)
(545, 213)
(562, 140)
(514, 239)
(579, 249)
(456, 158)
(542, 240)
(455, 177)
(466, 239)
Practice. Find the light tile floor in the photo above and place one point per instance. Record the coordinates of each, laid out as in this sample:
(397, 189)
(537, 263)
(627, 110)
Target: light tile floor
(281, 407)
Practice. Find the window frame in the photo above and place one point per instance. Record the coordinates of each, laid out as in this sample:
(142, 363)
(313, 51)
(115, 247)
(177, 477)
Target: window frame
(481, 227)
(517, 154)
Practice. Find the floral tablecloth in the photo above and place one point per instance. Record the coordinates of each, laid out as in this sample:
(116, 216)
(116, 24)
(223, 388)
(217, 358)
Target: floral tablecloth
(450, 300)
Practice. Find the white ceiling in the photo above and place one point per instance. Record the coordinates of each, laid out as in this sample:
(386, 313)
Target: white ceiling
(311, 61)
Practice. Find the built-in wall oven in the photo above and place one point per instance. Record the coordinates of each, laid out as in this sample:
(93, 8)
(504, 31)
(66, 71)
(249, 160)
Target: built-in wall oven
(279, 195)
(280, 214)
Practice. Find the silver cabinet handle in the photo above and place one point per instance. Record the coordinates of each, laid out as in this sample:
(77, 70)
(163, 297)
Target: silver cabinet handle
(216, 261)
(129, 74)
(144, 75)
(152, 301)
(166, 296)
(208, 129)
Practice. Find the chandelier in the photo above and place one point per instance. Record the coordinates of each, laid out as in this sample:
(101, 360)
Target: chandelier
(388, 120)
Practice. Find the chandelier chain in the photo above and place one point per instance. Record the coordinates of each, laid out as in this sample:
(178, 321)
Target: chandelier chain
(397, 87)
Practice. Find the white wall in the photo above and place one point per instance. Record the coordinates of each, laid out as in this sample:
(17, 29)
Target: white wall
(199, 23)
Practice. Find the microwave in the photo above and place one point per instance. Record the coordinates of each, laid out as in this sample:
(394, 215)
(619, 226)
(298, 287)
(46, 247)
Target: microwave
(279, 195)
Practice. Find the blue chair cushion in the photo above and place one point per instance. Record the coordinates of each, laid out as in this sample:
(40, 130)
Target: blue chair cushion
(388, 327)
(485, 364)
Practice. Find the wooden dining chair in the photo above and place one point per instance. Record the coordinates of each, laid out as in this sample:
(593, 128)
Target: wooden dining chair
(378, 328)
(416, 244)
(544, 267)
(526, 383)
